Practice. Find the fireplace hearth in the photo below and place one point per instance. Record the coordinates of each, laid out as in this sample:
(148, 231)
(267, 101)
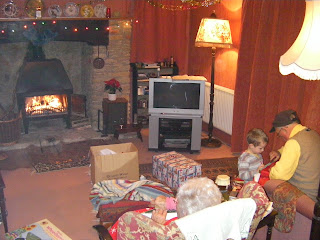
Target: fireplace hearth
(44, 91)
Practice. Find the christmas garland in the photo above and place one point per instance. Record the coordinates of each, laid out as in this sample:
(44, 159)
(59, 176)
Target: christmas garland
(185, 4)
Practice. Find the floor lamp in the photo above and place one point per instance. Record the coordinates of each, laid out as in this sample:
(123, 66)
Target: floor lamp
(214, 33)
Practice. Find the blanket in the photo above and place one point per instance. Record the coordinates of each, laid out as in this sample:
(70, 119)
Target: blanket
(112, 191)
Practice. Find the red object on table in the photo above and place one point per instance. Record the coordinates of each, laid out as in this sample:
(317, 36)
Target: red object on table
(264, 174)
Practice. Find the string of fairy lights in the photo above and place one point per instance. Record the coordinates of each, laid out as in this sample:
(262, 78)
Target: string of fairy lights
(183, 4)
(178, 6)
(16, 28)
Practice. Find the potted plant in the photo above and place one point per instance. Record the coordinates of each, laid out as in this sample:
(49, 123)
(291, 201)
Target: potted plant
(111, 86)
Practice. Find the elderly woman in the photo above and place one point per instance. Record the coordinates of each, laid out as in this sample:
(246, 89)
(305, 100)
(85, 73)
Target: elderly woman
(193, 196)
(200, 216)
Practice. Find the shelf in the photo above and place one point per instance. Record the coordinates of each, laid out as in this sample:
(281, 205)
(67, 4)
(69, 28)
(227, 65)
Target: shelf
(140, 80)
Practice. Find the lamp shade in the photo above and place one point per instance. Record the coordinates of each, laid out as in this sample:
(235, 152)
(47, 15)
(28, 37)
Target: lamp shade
(303, 57)
(214, 33)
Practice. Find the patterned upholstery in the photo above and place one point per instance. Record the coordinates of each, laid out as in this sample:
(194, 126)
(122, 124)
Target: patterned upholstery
(111, 212)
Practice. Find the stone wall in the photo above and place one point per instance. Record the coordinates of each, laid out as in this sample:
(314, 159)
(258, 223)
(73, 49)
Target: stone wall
(77, 58)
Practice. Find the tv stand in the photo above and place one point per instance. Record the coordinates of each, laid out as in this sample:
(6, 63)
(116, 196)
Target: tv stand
(178, 132)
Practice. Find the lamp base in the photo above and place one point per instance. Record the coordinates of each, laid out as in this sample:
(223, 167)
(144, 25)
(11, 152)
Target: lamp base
(211, 143)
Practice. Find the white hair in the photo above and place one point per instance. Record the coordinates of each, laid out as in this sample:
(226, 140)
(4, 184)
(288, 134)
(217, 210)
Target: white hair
(197, 194)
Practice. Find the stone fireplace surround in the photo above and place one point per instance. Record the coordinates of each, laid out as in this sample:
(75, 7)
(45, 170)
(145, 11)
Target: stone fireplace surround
(77, 58)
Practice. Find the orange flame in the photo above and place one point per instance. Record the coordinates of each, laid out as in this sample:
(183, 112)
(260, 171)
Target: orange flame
(38, 105)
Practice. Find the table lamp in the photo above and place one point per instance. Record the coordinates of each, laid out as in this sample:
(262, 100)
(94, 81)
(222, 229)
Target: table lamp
(214, 33)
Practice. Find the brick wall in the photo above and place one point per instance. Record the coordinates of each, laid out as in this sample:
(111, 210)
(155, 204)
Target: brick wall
(117, 65)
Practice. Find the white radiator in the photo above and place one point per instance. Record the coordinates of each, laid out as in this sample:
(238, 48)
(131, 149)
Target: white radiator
(222, 108)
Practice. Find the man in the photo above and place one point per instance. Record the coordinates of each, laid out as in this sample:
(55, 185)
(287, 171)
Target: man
(299, 162)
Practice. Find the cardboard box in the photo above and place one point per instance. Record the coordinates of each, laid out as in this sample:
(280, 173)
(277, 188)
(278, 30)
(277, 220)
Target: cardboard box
(122, 165)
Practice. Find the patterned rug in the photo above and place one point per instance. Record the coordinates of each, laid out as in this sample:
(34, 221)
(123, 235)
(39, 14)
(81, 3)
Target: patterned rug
(55, 156)
(211, 168)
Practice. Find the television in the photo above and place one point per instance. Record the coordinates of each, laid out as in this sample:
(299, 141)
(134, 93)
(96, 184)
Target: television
(176, 97)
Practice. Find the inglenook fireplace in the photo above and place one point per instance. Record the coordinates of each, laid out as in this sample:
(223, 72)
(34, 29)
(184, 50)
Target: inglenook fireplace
(44, 91)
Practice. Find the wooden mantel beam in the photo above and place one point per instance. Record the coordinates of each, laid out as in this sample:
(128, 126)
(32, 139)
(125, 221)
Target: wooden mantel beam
(94, 31)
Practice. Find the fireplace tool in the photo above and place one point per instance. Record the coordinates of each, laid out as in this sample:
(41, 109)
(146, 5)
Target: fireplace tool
(98, 62)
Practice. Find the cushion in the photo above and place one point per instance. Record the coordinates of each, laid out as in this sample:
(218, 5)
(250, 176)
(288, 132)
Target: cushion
(111, 212)
(133, 225)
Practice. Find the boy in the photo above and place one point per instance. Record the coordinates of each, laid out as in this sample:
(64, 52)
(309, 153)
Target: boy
(251, 161)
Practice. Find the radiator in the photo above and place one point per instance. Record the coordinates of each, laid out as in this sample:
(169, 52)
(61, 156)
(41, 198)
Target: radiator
(222, 108)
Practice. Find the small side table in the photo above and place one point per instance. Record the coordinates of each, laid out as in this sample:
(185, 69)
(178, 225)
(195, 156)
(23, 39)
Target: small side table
(3, 204)
(127, 129)
(269, 222)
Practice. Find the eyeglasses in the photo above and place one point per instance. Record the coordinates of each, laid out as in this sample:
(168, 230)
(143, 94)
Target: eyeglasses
(278, 133)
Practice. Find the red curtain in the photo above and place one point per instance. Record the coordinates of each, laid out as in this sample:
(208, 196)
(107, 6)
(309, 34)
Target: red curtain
(150, 39)
(268, 30)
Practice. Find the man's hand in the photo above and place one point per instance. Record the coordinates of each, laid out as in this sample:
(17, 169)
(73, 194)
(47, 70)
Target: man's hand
(159, 216)
(274, 156)
(159, 202)
(261, 167)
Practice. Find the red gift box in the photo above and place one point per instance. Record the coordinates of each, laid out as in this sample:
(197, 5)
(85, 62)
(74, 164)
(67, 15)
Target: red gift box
(264, 174)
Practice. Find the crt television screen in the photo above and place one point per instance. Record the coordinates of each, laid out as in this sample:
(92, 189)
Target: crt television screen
(176, 95)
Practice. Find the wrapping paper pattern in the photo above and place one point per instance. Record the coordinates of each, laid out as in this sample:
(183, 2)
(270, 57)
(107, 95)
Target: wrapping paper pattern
(174, 169)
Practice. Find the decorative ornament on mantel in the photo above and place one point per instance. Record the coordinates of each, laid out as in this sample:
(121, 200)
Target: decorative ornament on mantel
(183, 4)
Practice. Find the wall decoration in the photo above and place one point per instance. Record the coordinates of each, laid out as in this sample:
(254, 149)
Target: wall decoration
(71, 10)
(10, 9)
(32, 6)
(54, 11)
(100, 10)
(86, 11)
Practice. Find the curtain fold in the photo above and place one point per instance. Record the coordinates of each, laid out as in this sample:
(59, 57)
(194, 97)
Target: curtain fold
(268, 30)
(150, 40)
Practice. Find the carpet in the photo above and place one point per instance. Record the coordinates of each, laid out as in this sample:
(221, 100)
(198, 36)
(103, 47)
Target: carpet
(56, 156)
(211, 168)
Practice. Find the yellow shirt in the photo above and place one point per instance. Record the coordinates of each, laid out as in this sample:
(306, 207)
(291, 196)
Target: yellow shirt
(290, 154)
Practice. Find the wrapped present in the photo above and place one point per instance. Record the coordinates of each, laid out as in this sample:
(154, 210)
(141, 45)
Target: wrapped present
(158, 162)
(264, 174)
(174, 168)
(180, 172)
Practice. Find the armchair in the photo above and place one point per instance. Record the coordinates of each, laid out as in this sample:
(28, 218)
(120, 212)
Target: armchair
(230, 219)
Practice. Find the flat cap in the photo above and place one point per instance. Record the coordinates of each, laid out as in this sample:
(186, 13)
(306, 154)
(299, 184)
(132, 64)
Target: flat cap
(284, 118)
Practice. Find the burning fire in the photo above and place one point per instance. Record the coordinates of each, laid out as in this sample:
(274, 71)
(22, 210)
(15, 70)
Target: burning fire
(47, 104)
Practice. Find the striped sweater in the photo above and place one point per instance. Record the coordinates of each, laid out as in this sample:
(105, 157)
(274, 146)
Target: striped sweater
(248, 165)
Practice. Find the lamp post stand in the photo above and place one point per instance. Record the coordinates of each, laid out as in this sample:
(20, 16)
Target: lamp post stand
(209, 141)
